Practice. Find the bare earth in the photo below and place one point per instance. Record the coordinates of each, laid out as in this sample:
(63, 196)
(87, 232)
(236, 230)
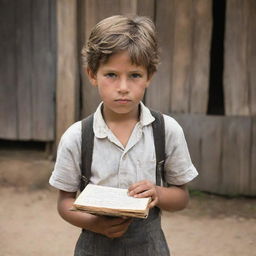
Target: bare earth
(30, 225)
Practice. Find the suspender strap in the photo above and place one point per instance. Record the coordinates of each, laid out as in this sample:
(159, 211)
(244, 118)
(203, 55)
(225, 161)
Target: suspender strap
(159, 141)
(86, 150)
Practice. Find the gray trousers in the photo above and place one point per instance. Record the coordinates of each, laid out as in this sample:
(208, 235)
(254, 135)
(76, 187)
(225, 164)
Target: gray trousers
(143, 238)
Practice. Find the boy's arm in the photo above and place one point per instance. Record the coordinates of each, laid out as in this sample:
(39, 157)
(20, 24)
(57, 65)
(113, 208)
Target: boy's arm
(172, 198)
(110, 227)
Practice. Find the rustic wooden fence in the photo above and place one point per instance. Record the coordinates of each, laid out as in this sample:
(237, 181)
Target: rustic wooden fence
(27, 70)
(223, 148)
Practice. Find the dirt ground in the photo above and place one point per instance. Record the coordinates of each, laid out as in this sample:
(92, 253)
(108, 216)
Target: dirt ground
(29, 223)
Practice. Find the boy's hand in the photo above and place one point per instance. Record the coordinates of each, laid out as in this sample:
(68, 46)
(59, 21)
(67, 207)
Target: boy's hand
(144, 189)
(111, 227)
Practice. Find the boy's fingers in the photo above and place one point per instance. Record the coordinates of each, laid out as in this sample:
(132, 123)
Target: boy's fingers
(118, 230)
(139, 183)
(140, 189)
(144, 193)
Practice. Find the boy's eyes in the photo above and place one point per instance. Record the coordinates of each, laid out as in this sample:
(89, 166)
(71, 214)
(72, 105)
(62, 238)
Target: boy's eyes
(110, 75)
(133, 75)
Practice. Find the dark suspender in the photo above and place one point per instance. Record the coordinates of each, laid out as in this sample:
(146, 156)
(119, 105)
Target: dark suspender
(87, 148)
(159, 141)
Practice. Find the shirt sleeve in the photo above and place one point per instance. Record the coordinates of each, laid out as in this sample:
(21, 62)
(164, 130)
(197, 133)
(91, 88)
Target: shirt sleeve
(179, 168)
(67, 170)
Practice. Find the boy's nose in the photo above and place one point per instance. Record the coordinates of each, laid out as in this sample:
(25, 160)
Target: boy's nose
(123, 86)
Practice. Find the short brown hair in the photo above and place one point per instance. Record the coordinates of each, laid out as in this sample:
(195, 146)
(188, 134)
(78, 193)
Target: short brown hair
(118, 33)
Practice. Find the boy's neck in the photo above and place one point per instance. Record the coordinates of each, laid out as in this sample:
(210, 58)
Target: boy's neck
(110, 116)
(121, 125)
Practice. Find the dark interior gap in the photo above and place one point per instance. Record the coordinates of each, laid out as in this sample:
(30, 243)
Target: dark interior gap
(216, 92)
(22, 145)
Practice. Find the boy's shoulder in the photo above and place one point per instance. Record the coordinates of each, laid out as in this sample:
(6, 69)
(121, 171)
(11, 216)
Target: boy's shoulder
(171, 122)
(73, 129)
(72, 135)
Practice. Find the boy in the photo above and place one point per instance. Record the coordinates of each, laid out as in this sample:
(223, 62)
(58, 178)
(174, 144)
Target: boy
(121, 57)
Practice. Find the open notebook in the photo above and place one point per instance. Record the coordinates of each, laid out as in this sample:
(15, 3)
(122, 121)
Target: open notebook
(110, 201)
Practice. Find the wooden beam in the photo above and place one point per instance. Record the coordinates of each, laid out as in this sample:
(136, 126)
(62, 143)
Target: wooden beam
(146, 8)
(67, 66)
(24, 67)
(8, 108)
(182, 56)
(201, 43)
(251, 56)
(158, 94)
(43, 71)
(236, 88)
(253, 159)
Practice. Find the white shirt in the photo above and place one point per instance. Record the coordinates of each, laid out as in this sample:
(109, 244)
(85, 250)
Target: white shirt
(118, 166)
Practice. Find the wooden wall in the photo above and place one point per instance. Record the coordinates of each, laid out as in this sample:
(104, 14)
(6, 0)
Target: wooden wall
(223, 148)
(67, 94)
(27, 70)
(240, 58)
(181, 84)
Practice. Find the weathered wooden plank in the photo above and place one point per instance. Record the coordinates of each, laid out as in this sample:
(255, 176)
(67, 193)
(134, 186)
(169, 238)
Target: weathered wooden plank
(191, 126)
(43, 72)
(67, 66)
(23, 69)
(158, 95)
(204, 139)
(210, 153)
(8, 110)
(128, 7)
(182, 56)
(146, 8)
(236, 156)
(223, 151)
(199, 83)
(90, 97)
(253, 159)
(251, 56)
(236, 89)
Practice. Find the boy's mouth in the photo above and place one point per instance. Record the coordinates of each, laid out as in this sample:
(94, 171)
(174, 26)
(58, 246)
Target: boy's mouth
(123, 101)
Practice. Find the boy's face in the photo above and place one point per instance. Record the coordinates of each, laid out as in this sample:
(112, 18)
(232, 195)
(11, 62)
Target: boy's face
(121, 85)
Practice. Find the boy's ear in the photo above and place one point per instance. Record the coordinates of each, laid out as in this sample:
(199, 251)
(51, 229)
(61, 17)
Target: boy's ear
(91, 76)
(149, 79)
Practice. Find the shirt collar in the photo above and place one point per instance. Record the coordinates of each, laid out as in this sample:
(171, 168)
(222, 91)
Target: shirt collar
(101, 129)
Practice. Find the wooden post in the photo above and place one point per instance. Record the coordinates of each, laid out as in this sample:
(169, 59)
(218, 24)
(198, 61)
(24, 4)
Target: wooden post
(24, 67)
(182, 56)
(158, 93)
(199, 82)
(8, 108)
(67, 66)
(253, 158)
(252, 56)
(236, 87)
